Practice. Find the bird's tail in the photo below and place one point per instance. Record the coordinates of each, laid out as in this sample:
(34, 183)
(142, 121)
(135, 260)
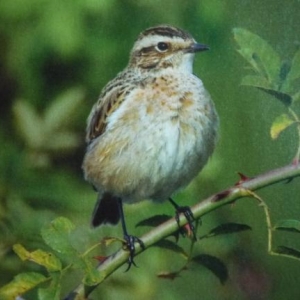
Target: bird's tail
(106, 210)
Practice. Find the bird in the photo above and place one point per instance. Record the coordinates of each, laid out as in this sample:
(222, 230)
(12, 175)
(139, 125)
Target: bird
(152, 129)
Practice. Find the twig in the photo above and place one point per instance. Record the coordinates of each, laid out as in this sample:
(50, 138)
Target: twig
(111, 264)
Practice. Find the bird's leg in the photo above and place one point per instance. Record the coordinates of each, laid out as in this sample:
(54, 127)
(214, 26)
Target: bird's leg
(130, 240)
(186, 210)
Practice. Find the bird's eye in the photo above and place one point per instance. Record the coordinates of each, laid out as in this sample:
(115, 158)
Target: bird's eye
(162, 47)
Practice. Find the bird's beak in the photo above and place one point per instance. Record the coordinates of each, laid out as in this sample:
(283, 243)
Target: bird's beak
(195, 47)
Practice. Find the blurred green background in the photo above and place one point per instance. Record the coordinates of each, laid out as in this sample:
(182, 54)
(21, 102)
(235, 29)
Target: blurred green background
(55, 56)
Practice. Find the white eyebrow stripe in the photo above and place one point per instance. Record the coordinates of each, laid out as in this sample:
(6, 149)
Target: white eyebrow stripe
(152, 40)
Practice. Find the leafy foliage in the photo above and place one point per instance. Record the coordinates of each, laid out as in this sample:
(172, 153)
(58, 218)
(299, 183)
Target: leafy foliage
(287, 251)
(154, 221)
(57, 236)
(169, 245)
(288, 225)
(281, 123)
(273, 76)
(45, 259)
(213, 264)
(49, 133)
(226, 228)
(21, 284)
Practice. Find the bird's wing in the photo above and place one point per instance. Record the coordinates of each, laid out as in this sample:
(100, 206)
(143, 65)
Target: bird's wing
(110, 99)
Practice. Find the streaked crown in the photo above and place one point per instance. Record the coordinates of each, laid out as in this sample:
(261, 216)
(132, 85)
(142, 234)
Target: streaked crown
(164, 46)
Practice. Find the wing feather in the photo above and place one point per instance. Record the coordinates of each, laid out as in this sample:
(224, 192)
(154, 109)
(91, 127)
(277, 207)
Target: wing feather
(109, 101)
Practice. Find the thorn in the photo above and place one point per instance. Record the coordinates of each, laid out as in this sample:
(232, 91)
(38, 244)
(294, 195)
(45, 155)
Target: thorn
(101, 259)
(243, 178)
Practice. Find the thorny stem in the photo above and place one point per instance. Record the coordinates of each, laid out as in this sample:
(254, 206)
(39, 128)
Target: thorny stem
(112, 263)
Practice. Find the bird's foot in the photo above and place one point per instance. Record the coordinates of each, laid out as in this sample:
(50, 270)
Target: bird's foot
(129, 244)
(186, 211)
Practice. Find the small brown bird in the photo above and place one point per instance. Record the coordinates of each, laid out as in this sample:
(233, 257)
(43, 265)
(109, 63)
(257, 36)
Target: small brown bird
(152, 129)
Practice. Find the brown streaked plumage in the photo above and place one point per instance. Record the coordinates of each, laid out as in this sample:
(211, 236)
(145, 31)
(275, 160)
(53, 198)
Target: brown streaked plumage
(152, 129)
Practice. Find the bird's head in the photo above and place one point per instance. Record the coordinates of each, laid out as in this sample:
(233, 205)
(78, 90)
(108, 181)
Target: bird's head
(164, 46)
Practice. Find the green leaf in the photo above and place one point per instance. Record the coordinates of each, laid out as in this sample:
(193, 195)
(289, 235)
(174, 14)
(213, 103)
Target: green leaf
(285, 98)
(280, 124)
(227, 228)
(168, 275)
(212, 263)
(29, 124)
(21, 251)
(63, 141)
(271, 74)
(40, 257)
(295, 68)
(56, 235)
(288, 251)
(92, 275)
(53, 291)
(291, 84)
(284, 70)
(256, 81)
(296, 96)
(259, 54)
(60, 112)
(169, 245)
(154, 221)
(288, 225)
(21, 284)
(262, 84)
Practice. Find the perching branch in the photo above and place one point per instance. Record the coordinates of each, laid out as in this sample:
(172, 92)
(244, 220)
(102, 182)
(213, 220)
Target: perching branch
(240, 190)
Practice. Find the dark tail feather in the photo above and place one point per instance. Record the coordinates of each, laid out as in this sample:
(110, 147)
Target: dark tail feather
(106, 210)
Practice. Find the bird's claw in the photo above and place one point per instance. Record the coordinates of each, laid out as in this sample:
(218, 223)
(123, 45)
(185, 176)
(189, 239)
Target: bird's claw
(186, 211)
(129, 243)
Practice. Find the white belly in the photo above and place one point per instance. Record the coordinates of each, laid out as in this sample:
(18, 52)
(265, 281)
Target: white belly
(155, 143)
